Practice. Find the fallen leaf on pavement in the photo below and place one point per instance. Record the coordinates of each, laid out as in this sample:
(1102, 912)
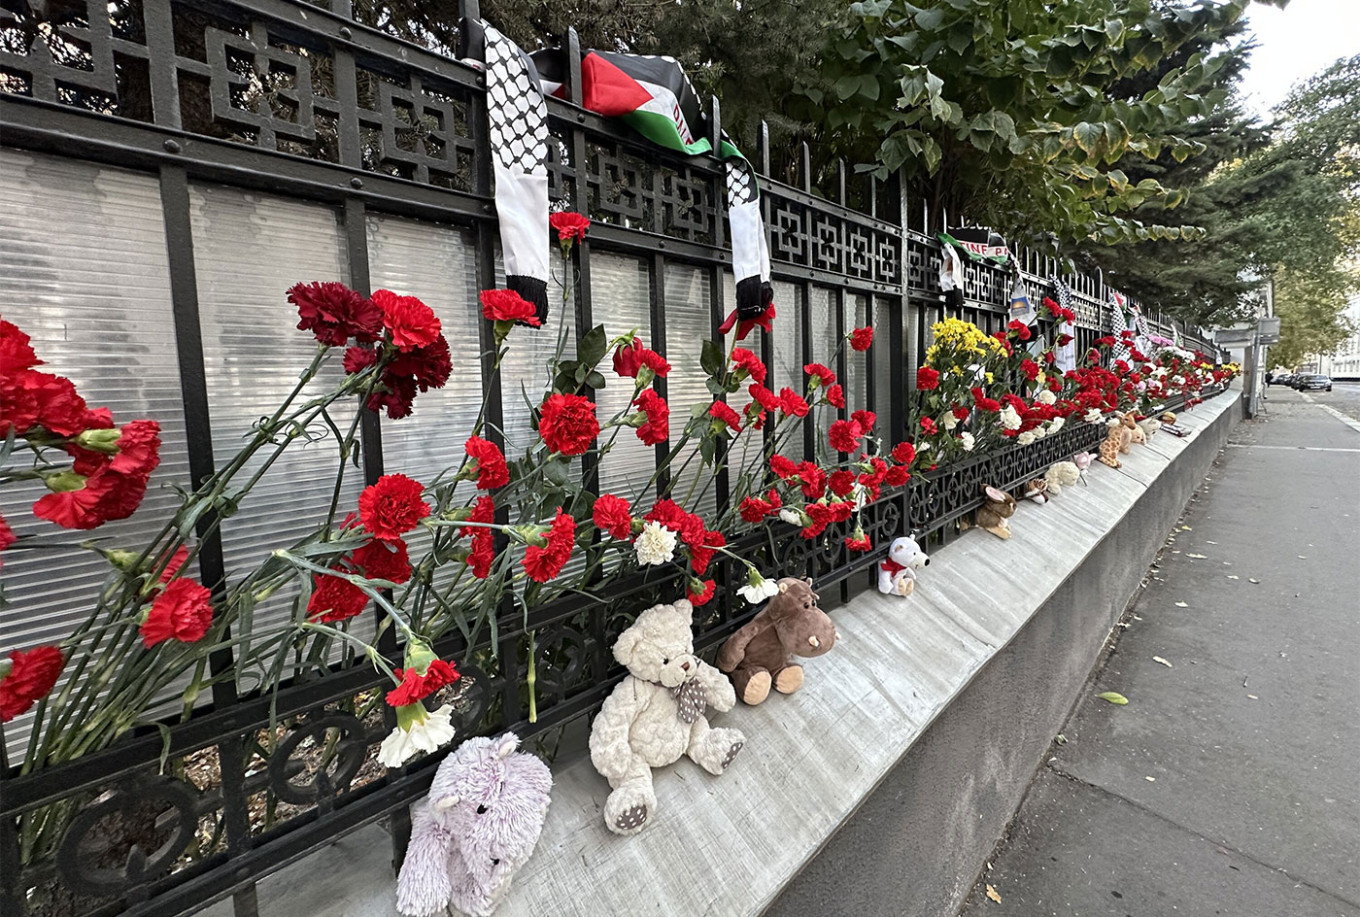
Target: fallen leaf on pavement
(1113, 697)
(1182, 605)
(992, 893)
(1233, 576)
(1196, 556)
(1211, 542)
(1253, 580)
(1150, 779)
(1160, 661)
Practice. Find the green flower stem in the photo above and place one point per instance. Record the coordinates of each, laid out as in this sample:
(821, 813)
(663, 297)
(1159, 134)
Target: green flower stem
(531, 677)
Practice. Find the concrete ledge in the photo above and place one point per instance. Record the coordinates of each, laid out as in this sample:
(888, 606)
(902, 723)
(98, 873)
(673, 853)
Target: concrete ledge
(882, 785)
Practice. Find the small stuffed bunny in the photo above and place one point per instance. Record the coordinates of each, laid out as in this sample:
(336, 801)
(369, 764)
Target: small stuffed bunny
(476, 828)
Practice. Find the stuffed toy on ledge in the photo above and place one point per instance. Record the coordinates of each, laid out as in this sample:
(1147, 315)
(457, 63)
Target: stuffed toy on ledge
(760, 655)
(476, 828)
(656, 714)
(1036, 491)
(1083, 461)
(1060, 475)
(897, 574)
(1117, 440)
(994, 515)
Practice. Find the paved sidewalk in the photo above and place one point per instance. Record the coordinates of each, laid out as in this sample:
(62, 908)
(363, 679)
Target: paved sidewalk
(1230, 783)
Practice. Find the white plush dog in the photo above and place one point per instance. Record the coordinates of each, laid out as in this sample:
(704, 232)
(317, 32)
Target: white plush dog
(897, 574)
(656, 714)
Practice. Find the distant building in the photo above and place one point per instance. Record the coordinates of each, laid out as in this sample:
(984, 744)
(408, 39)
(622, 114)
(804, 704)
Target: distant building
(1344, 361)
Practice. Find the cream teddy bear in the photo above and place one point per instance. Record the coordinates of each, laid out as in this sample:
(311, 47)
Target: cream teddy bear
(1062, 474)
(897, 574)
(656, 714)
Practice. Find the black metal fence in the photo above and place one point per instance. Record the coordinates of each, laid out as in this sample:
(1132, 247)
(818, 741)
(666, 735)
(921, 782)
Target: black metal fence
(286, 100)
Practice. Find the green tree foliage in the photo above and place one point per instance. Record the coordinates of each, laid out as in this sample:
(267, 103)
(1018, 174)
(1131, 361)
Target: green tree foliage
(1019, 113)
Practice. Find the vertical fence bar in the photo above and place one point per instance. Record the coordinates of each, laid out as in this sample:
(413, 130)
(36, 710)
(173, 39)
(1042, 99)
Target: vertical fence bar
(174, 185)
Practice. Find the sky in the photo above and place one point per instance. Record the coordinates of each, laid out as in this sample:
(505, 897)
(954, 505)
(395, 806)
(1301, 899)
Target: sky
(1296, 42)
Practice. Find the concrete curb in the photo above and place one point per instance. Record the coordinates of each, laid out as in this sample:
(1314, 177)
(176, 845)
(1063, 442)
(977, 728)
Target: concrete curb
(882, 785)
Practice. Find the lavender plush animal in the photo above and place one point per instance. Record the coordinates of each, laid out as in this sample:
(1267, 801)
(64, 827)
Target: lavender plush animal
(475, 829)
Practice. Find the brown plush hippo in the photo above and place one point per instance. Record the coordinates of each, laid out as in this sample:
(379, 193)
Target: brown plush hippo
(760, 655)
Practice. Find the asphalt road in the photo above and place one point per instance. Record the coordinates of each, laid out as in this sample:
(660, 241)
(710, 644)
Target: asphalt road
(1228, 783)
(1344, 397)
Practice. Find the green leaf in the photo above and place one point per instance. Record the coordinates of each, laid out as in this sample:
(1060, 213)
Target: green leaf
(592, 348)
(715, 387)
(930, 20)
(556, 471)
(712, 358)
(595, 380)
(1088, 136)
(1113, 697)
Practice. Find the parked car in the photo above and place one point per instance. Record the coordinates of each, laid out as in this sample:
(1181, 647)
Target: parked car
(1282, 379)
(1314, 382)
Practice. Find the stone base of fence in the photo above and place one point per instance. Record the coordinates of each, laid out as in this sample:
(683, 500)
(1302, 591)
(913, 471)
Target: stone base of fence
(882, 786)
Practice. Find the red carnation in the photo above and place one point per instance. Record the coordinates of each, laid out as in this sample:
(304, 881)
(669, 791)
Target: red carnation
(139, 446)
(570, 226)
(904, 453)
(783, 466)
(1064, 340)
(385, 560)
(701, 550)
(927, 426)
(334, 313)
(492, 472)
(397, 394)
(657, 428)
(721, 410)
(483, 550)
(32, 674)
(7, 536)
(107, 496)
(1030, 369)
(862, 338)
(544, 562)
(15, 352)
(183, 612)
(844, 435)
(629, 358)
(814, 480)
(567, 423)
(393, 506)
(416, 686)
(613, 515)
(334, 599)
(687, 525)
(754, 509)
(761, 395)
(59, 407)
(745, 361)
(835, 397)
(704, 593)
(960, 412)
(859, 543)
(790, 402)
(896, 476)
(927, 378)
(1021, 329)
(429, 366)
(174, 563)
(412, 323)
(841, 482)
(865, 419)
(820, 374)
(508, 306)
(1106, 341)
(359, 358)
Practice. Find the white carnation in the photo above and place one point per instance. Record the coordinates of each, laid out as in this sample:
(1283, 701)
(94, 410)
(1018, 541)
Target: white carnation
(1177, 380)
(1047, 397)
(1025, 438)
(655, 544)
(949, 421)
(968, 441)
(1056, 424)
(758, 588)
(1039, 432)
(1010, 418)
(426, 732)
(791, 516)
(1093, 416)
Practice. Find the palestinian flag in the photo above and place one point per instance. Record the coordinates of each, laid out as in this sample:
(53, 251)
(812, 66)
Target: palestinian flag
(654, 97)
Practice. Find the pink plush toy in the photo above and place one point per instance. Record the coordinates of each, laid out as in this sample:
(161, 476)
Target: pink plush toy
(1083, 462)
(475, 829)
